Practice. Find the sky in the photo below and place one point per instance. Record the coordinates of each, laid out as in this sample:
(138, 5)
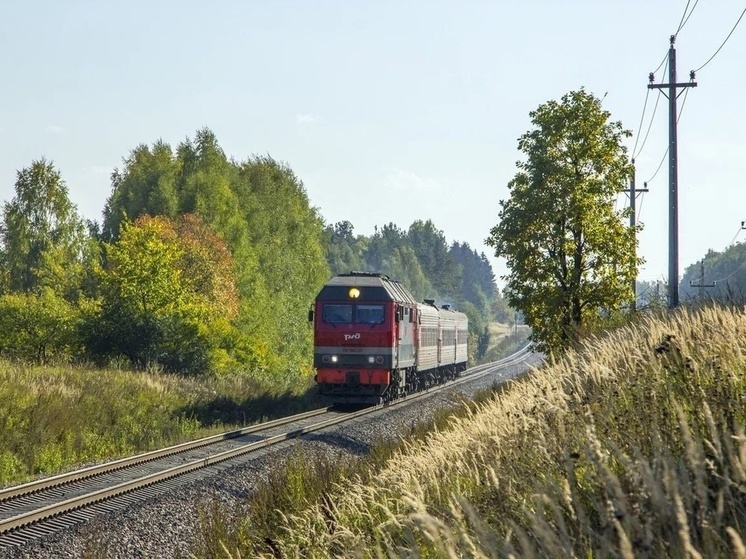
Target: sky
(388, 111)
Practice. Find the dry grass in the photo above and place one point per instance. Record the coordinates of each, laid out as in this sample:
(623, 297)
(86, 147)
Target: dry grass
(632, 446)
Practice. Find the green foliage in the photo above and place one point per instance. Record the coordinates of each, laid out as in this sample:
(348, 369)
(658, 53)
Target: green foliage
(37, 327)
(43, 239)
(344, 251)
(146, 185)
(167, 284)
(439, 267)
(726, 270)
(465, 277)
(57, 417)
(569, 254)
(261, 212)
(288, 235)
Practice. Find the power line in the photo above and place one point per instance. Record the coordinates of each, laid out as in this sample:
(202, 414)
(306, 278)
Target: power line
(722, 45)
(733, 240)
(683, 21)
(681, 110)
(639, 211)
(664, 61)
(642, 117)
(659, 166)
(733, 273)
(647, 133)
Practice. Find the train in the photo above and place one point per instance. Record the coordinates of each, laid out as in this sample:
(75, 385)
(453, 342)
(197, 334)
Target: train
(375, 343)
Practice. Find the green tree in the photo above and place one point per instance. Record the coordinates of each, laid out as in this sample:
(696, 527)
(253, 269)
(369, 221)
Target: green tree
(43, 238)
(145, 185)
(382, 244)
(168, 295)
(430, 246)
(288, 236)
(344, 250)
(38, 327)
(571, 259)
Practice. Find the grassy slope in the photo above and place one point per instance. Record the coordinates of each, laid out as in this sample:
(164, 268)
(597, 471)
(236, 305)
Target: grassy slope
(633, 446)
(53, 418)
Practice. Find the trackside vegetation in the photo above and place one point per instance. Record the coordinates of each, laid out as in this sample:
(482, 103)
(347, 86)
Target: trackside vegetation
(185, 309)
(631, 445)
(54, 418)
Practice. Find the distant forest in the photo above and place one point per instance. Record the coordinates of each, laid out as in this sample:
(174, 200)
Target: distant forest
(202, 265)
(718, 276)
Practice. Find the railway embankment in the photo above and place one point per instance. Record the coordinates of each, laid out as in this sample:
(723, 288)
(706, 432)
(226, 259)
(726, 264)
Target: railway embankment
(631, 446)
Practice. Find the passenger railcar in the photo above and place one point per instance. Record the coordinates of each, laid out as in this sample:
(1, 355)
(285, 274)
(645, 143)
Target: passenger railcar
(373, 342)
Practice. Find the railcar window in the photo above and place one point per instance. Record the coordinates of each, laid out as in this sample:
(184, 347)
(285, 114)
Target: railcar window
(369, 314)
(338, 314)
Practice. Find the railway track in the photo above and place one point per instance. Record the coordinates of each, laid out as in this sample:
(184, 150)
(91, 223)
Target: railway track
(38, 508)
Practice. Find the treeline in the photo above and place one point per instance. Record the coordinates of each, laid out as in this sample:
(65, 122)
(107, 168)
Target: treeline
(421, 259)
(719, 275)
(201, 264)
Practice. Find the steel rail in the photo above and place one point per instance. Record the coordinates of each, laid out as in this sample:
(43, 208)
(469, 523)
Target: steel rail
(125, 487)
(76, 475)
(8, 525)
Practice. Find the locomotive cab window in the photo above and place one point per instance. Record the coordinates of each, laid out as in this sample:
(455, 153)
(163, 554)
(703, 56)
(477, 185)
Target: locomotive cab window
(337, 314)
(369, 314)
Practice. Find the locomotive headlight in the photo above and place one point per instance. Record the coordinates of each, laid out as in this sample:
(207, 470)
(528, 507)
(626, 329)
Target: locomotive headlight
(334, 358)
(325, 359)
(354, 293)
(379, 359)
(371, 359)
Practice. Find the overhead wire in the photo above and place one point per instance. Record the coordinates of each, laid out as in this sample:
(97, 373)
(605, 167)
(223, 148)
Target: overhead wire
(733, 240)
(723, 44)
(659, 166)
(642, 117)
(639, 210)
(733, 273)
(635, 153)
(683, 21)
(681, 110)
(647, 133)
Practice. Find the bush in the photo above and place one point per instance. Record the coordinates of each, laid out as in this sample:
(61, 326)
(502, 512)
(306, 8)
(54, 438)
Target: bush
(37, 327)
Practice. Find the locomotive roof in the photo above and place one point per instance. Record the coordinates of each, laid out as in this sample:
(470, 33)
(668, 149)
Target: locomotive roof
(372, 287)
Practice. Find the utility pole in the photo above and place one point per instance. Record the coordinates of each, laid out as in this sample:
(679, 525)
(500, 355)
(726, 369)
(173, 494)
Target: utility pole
(673, 208)
(632, 198)
(702, 283)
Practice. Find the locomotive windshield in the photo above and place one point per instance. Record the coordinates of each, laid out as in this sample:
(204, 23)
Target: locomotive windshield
(335, 313)
(368, 314)
(338, 314)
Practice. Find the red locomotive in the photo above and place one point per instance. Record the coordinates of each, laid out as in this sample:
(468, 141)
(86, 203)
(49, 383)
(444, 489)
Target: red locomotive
(373, 342)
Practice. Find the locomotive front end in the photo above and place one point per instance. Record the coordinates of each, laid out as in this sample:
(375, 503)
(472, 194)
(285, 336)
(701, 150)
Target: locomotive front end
(355, 341)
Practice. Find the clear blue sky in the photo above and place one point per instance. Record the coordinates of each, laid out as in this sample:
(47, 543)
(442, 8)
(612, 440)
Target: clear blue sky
(387, 110)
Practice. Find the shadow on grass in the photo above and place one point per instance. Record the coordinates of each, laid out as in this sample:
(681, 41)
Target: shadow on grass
(235, 411)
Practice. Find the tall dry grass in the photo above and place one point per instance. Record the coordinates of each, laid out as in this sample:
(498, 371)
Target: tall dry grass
(632, 446)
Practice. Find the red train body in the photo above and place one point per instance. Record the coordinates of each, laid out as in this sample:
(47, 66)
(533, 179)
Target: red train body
(373, 342)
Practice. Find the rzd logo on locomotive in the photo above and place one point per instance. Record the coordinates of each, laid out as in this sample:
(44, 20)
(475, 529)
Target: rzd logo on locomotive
(352, 336)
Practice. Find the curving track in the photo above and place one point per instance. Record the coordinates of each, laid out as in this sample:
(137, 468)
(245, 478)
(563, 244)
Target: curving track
(39, 508)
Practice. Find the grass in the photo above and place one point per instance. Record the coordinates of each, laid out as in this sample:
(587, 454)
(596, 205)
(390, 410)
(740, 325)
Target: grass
(55, 418)
(631, 446)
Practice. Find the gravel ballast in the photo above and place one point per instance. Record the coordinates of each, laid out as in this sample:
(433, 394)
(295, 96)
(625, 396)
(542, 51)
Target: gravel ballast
(167, 525)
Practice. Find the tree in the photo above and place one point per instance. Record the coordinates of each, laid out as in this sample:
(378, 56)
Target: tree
(344, 250)
(571, 258)
(41, 233)
(430, 246)
(37, 327)
(168, 296)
